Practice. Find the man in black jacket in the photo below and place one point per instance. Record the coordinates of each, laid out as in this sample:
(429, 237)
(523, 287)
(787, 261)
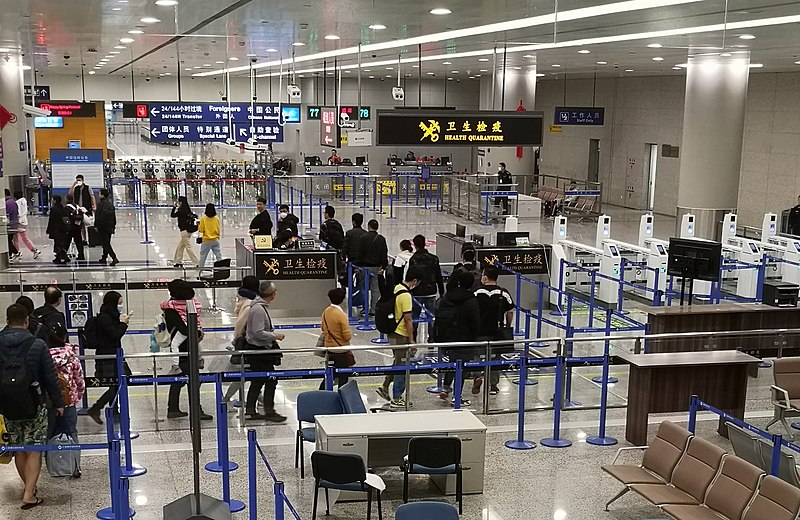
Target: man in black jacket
(58, 230)
(18, 344)
(374, 258)
(794, 219)
(105, 222)
(331, 232)
(351, 250)
(286, 220)
(261, 223)
(431, 280)
(48, 314)
(497, 310)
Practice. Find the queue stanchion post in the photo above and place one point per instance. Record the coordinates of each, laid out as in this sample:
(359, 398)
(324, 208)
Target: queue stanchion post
(601, 439)
(222, 433)
(520, 443)
(130, 470)
(374, 195)
(570, 332)
(365, 325)
(391, 206)
(291, 198)
(381, 195)
(301, 208)
(252, 480)
(560, 289)
(606, 379)
(364, 204)
(458, 381)
(439, 388)
(124, 499)
(354, 191)
(114, 462)
(556, 441)
(349, 290)
(280, 510)
(146, 227)
(328, 372)
(517, 310)
(775, 463)
(81, 354)
(227, 466)
(692, 414)
(528, 381)
(310, 211)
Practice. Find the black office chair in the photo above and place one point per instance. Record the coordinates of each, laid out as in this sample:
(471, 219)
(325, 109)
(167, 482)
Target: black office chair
(344, 472)
(433, 456)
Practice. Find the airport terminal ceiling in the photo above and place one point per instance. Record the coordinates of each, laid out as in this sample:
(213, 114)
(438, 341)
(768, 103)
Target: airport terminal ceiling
(203, 36)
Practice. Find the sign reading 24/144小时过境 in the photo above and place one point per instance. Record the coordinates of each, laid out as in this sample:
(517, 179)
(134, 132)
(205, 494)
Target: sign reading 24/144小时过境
(579, 116)
(458, 128)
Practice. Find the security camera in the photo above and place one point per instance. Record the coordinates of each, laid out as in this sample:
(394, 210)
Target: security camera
(252, 141)
(293, 91)
(398, 93)
(36, 111)
(344, 116)
(253, 60)
(147, 79)
(66, 56)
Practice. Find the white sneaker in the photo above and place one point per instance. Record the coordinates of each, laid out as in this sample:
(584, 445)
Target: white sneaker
(36, 254)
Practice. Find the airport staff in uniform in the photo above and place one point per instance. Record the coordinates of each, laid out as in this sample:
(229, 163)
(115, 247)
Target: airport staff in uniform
(794, 219)
(504, 181)
(334, 159)
(261, 223)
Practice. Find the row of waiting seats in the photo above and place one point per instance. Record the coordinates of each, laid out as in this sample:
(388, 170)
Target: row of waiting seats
(553, 203)
(758, 451)
(691, 479)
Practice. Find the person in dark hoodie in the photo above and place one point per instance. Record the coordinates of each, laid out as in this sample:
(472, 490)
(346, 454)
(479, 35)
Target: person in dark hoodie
(48, 314)
(112, 324)
(287, 220)
(58, 230)
(26, 415)
(457, 319)
(175, 317)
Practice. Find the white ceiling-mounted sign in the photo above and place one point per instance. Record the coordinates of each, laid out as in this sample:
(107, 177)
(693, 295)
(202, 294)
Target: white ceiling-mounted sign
(359, 138)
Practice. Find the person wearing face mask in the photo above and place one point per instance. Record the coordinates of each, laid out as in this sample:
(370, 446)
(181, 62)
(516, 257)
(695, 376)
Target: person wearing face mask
(111, 326)
(504, 181)
(286, 220)
(83, 194)
(261, 223)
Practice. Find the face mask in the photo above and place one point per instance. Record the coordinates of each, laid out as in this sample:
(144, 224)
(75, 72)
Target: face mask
(120, 308)
(79, 183)
(284, 215)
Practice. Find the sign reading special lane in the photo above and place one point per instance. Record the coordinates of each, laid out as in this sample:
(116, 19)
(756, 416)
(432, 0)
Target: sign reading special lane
(459, 128)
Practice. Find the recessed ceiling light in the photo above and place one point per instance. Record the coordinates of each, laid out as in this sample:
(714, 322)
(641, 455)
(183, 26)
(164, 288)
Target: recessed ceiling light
(233, 58)
(116, 9)
(103, 59)
(271, 50)
(453, 72)
(532, 56)
(516, 68)
(676, 68)
(372, 77)
(449, 79)
(388, 75)
(197, 67)
(126, 40)
(658, 58)
(149, 19)
(331, 37)
(166, 3)
(348, 71)
(582, 51)
(682, 65)
(389, 68)
(446, 63)
(377, 27)
(120, 47)
(540, 75)
(429, 73)
(726, 55)
(206, 64)
(135, 31)
(91, 72)
(25, 67)
(756, 65)
(747, 37)
(602, 63)
(367, 70)
(298, 44)
(415, 66)
(219, 62)
(483, 70)
(188, 68)
(483, 59)
(113, 52)
(440, 11)
(477, 75)
(628, 70)
(654, 45)
(5, 49)
(555, 65)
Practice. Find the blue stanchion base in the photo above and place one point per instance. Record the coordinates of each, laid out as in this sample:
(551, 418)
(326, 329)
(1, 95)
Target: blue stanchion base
(136, 470)
(556, 443)
(601, 441)
(528, 382)
(624, 312)
(558, 313)
(519, 334)
(236, 506)
(520, 445)
(108, 514)
(599, 380)
(365, 327)
(379, 341)
(120, 437)
(146, 242)
(765, 364)
(795, 425)
(572, 404)
(216, 466)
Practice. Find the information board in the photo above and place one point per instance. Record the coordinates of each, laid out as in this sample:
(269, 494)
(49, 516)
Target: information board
(310, 265)
(214, 132)
(579, 116)
(66, 164)
(458, 128)
(42, 92)
(78, 307)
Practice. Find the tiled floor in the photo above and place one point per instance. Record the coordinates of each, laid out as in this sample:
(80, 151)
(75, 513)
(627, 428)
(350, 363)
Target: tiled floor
(542, 483)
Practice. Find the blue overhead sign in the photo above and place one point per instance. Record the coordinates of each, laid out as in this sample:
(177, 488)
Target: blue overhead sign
(215, 132)
(581, 116)
(174, 112)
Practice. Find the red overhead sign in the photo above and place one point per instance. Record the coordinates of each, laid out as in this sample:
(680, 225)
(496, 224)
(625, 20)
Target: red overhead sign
(69, 108)
(329, 127)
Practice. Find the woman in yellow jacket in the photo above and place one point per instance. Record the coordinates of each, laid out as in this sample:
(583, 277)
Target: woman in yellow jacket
(336, 328)
(210, 231)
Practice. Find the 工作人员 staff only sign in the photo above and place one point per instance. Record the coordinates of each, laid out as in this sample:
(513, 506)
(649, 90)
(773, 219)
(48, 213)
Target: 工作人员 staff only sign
(458, 128)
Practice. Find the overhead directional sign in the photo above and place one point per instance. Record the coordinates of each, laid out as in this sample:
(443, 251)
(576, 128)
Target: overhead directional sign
(42, 92)
(352, 111)
(328, 127)
(160, 112)
(581, 116)
(214, 132)
(69, 108)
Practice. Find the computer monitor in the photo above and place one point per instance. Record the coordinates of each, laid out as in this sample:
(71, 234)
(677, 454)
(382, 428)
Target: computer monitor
(347, 162)
(509, 238)
(444, 161)
(694, 258)
(312, 160)
(461, 231)
(477, 240)
(361, 160)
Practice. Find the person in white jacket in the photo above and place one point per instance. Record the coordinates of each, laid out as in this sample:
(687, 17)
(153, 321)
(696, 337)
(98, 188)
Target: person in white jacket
(22, 229)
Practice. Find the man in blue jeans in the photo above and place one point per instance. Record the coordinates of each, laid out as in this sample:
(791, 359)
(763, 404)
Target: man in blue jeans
(430, 280)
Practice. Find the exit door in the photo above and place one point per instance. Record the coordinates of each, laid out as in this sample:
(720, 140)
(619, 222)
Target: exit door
(594, 160)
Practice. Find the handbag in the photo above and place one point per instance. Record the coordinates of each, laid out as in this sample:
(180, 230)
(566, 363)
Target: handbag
(349, 358)
(239, 343)
(319, 348)
(88, 220)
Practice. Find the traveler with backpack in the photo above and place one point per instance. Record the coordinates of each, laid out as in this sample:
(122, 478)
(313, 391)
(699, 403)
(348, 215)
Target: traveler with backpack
(34, 326)
(331, 232)
(187, 224)
(58, 230)
(176, 318)
(336, 333)
(75, 217)
(64, 429)
(374, 259)
(210, 229)
(401, 260)
(457, 320)
(105, 222)
(244, 297)
(469, 264)
(497, 316)
(26, 371)
(49, 314)
(260, 335)
(103, 333)
(431, 280)
(393, 317)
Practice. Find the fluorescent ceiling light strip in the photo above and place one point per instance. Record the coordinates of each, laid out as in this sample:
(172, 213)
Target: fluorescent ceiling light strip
(510, 25)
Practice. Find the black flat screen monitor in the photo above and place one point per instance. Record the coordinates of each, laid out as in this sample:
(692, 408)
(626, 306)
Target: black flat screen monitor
(509, 238)
(461, 230)
(477, 240)
(444, 161)
(360, 160)
(694, 258)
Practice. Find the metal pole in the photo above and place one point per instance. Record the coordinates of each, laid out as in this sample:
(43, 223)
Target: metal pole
(601, 439)
(556, 441)
(520, 443)
(252, 481)
(692, 413)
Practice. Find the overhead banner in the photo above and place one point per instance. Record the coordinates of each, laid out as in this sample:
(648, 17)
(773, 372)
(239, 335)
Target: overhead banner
(214, 132)
(458, 128)
(580, 116)
(67, 164)
(328, 128)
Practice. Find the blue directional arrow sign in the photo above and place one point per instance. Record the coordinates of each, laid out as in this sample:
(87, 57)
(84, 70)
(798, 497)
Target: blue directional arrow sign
(169, 112)
(214, 132)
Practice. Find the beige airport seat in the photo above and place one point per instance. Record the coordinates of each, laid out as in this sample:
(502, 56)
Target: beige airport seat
(745, 445)
(728, 495)
(658, 461)
(691, 478)
(775, 500)
(785, 391)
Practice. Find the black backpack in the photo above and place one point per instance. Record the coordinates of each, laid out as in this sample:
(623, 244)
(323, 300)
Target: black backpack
(334, 233)
(446, 325)
(91, 335)
(19, 400)
(385, 320)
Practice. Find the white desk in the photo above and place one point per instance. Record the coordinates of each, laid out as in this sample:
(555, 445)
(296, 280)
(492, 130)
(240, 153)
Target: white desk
(382, 440)
(529, 207)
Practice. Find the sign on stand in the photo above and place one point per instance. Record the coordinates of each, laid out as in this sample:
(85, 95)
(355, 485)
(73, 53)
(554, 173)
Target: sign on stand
(66, 164)
(78, 307)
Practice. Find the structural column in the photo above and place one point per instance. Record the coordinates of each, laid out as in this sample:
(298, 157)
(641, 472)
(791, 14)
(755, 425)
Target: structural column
(713, 131)
(13, 135)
